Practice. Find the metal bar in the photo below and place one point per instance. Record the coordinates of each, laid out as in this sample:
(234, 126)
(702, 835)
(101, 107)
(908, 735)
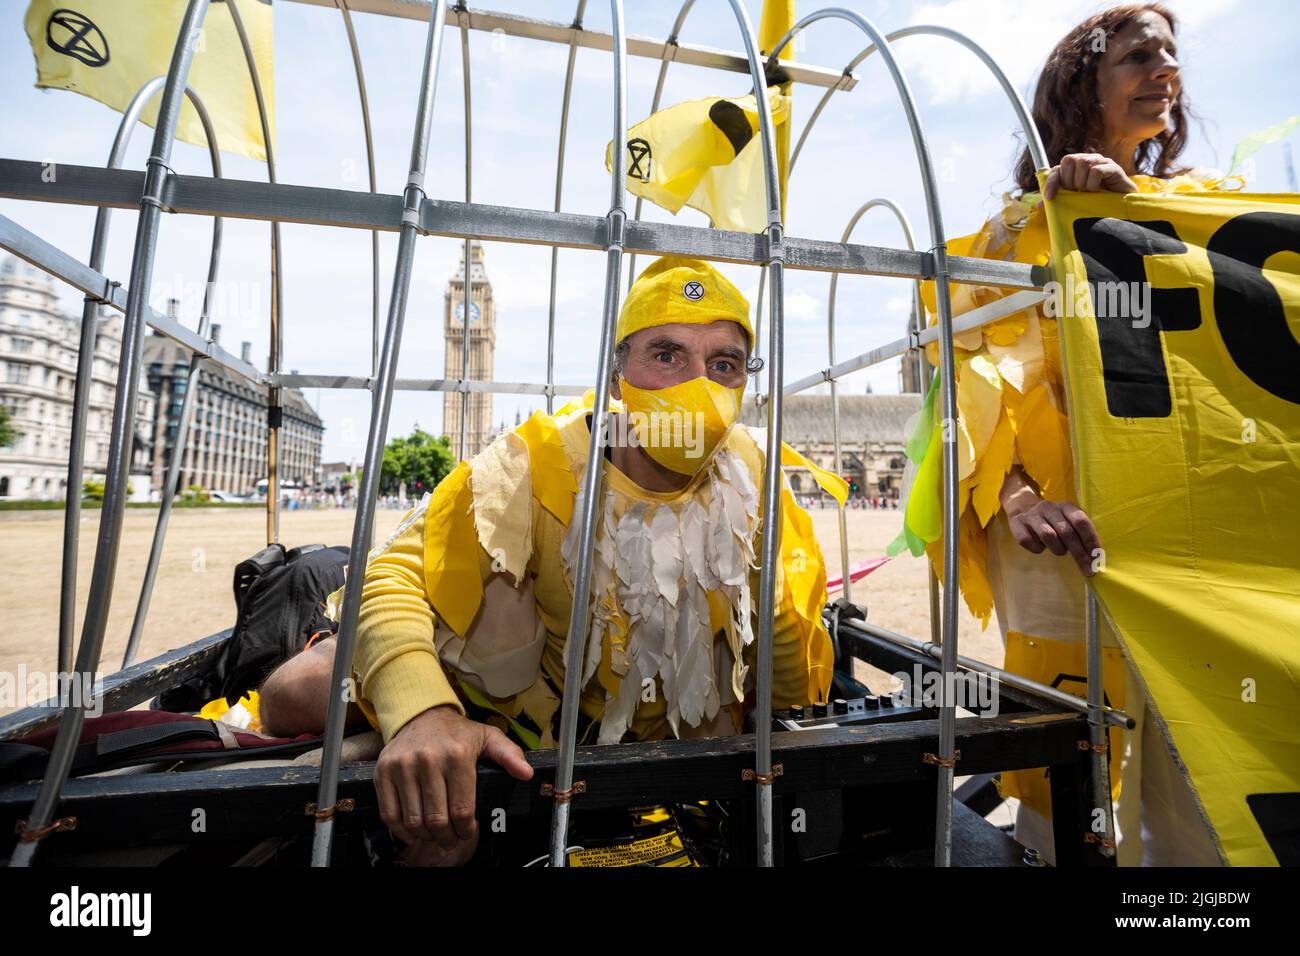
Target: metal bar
(28, 246)
(575, 29)
(462, 17)
(374, 183)
(830, 340)
(1110, 715)
(943, 849)
(274, 405)
(187, 407)
(1032, 138)
(380, 406)
(947, 710)
(772, 477)
(257, 801)
(427, 385)
(589, 497)
(121, 439)
(243, 199)
(670, 54)
(81, 392)
(553, 32)
(975, 318)
(1098, 714)
(125, 688)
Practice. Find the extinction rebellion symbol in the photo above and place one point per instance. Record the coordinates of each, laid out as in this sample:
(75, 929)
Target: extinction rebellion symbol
(693, 290)
(638, 151)
(78, 37)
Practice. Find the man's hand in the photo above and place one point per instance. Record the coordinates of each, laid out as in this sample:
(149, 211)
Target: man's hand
(1088, 172)
(1040, 525)
(426, 777)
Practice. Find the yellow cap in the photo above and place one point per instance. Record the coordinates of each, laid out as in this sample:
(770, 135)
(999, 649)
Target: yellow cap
(677, 289)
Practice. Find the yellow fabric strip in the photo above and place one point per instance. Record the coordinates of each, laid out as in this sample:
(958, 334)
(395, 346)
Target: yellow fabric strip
(451, 552)
(831, 483)
(553, 482)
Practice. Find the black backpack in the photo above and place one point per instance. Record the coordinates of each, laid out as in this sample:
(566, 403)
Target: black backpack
(280, 601)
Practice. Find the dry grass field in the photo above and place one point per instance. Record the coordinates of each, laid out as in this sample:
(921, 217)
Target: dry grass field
(193, 595)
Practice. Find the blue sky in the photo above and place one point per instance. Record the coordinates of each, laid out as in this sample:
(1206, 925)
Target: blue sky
(1239, 71)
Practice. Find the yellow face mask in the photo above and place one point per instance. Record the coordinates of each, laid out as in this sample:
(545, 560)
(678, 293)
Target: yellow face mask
(681, 426)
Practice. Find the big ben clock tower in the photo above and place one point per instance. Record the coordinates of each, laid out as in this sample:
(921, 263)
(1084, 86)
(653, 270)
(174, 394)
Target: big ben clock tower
(480, 319)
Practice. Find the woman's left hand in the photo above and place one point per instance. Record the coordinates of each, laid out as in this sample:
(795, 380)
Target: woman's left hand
(1088, 172)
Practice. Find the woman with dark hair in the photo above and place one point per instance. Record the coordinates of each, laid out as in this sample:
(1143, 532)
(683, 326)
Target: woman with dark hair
(1111, 110)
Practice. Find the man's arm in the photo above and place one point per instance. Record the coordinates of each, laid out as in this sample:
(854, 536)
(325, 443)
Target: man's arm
(426, 775)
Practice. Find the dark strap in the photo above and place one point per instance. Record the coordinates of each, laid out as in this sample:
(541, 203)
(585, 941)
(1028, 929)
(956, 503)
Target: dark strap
(122, 743)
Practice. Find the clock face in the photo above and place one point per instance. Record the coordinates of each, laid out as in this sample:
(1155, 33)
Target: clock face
(473, 312)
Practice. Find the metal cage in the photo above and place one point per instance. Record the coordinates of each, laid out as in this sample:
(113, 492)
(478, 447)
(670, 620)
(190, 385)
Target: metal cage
(158, 189)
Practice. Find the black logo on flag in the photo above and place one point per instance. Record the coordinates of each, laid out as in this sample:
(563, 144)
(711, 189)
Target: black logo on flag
(78, 37)
(638, 152)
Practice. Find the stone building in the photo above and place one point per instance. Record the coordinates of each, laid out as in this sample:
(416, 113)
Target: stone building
(482, 343)
(225, 449)
(873, 435)
(38, 371)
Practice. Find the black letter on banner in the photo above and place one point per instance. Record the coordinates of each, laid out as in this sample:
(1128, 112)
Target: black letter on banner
(1247, 306)
(1132, 359)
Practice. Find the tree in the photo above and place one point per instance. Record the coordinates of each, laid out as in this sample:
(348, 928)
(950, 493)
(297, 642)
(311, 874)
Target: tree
(420, 460)
(8, 434)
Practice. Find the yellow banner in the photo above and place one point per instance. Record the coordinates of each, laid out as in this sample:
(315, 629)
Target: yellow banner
(1180, 331)
(108, 49)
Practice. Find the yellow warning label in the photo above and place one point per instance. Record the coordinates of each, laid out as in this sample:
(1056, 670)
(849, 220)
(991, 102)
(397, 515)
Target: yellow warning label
(662, 849)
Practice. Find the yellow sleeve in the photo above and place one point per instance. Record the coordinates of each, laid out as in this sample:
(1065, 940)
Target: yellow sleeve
(803, 660)
(396, 662)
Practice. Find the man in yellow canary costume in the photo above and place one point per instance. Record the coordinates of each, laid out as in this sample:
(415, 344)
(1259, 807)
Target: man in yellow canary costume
(465, 611)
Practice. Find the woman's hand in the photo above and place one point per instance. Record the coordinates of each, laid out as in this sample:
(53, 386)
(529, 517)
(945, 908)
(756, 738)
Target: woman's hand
(1088, 172)
(1039, 525)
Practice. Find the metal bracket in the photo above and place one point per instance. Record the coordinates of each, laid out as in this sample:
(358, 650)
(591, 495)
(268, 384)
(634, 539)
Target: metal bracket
(346, 805)
(763, 779)
(775, 243)
(61, 825)
(107, 297)
(938, 761)
(939, 254)
(564, 796)
(617, 220)
(151, 164)
(414, 180)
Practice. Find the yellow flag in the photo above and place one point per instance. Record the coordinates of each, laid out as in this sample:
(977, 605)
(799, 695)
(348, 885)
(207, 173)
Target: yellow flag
(108, 49)
(706, 154)
(1180, 329)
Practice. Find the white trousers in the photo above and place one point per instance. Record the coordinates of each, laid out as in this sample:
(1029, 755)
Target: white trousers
(1157, 819)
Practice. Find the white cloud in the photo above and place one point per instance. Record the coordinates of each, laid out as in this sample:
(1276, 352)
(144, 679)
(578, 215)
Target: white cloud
(1018, 34)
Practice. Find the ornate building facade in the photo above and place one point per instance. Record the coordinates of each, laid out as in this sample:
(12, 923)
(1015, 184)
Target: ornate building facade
(225, 449)
(38, 372)
(873, 436)
(480, 320)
